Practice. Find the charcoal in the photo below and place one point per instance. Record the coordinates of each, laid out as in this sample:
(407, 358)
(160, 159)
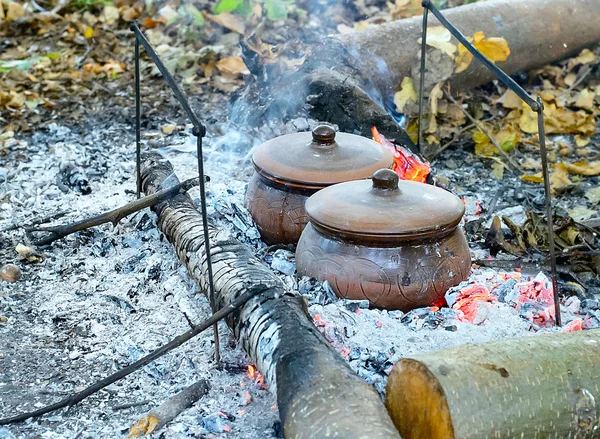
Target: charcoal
(505, 290)
(284, 261)
(354, 305)
(590, 305)
(71, 177)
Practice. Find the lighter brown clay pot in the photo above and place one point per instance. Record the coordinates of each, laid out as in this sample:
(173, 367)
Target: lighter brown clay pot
(396, 244)
(291, 168)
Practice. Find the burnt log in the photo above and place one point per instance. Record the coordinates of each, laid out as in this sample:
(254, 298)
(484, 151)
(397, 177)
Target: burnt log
(350, 79)
(318, 395)
(533, 387)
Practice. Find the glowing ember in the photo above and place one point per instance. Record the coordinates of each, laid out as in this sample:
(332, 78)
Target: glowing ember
(252, 371)
(319, 322)
(256, 376)
(345, 352)
(575, 325)
(407, 165)
(536, 301)
(469, 299)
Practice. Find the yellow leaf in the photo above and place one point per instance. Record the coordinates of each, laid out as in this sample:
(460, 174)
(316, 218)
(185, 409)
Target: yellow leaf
(558, 121)
(510, 100)
(581, 141)
(406, 93)
(581, 213)
(233, 65)
(168, 129)
(89, 33)
(507, 138)
(570, 79)
(1, 11)
(559, 177)
(497, 171)
(494, 48)
(585, 57)
(533, 178)
(583, 168)
(439, 37)
(585, 99)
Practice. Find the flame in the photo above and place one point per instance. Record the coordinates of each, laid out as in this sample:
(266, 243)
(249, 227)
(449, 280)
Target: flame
(254, 374)
(251, 371)
(407, 165)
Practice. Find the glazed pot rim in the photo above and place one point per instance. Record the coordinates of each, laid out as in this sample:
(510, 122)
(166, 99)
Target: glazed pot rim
(373, 240)
(288, 185)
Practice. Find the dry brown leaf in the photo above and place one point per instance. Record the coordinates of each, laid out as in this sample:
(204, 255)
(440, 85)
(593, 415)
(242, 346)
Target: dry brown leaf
(405, 8)
(229, 21)
(143, 427)
(233, 65)
(581, 141)
(559, 177)
(434, 96)
(494, 48)
(130, 13)
(151, 23)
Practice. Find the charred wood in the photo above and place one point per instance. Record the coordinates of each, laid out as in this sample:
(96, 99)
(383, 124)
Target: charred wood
(318, 395)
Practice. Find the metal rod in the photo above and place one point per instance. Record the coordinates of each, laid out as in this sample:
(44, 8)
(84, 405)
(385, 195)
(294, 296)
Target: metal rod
(549, 217)
(211, 285)
(422, 71)
(138, 116)
(507, 80)
(169, 78)
(199, 131)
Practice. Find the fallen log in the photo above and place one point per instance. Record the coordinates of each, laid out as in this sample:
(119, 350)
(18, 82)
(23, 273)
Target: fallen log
(350, 79)
(318, 395)
(534, 387)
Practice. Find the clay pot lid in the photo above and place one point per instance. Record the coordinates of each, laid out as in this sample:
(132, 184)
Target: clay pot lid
(321, 159)
(385, 209)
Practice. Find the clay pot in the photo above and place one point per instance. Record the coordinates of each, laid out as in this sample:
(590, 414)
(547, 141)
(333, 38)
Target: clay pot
(394, 243)
(291, 168)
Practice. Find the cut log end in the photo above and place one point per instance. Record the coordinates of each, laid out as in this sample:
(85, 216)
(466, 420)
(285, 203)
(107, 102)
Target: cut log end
(422, 404)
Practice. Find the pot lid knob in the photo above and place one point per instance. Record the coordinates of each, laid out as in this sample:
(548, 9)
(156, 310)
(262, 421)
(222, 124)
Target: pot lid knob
(385, 179)
(323, 135)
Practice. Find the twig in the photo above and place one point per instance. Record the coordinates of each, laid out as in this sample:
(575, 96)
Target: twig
(581, 78)
(160, 416)
(113, 216)
(173, 344)
(39, 220)
(449, 143)
(503, 153)
(130, 405)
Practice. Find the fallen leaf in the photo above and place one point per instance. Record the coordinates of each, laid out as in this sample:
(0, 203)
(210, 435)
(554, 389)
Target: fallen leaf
(233, 65)
(593, 195)
(583, 168)
(229, 21)
(497, 171)
(439, 37)
(14, 11)
(169, 129)
(130, 13)
(405, 9)
(570, 79)
(585, 99)
(585, 57)
(510, 100)
(531, 163)
(581, 141)
(143, 427)
(558, 121)
(89, 33)
(151, 23)
(581, 213)
(168, 13)
(559, 177)
(495, 49)
(507, 138)
(533, 178)
(406, 93)
(434, 96)
(110, 14)
(1, 11)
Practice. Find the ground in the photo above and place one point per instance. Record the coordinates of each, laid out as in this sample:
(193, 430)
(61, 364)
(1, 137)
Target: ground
(98, 300)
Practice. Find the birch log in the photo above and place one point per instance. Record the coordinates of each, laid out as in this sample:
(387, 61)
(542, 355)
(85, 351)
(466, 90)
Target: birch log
(318, 395)
(546, 386)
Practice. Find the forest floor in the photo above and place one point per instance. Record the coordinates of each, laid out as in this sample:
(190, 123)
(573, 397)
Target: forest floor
(100, 299)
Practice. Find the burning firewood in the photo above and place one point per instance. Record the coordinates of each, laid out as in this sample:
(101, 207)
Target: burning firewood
(318, 395)
(544, 386)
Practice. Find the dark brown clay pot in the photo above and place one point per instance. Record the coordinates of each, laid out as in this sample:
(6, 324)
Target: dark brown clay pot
(396, 244)
(291, 168)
